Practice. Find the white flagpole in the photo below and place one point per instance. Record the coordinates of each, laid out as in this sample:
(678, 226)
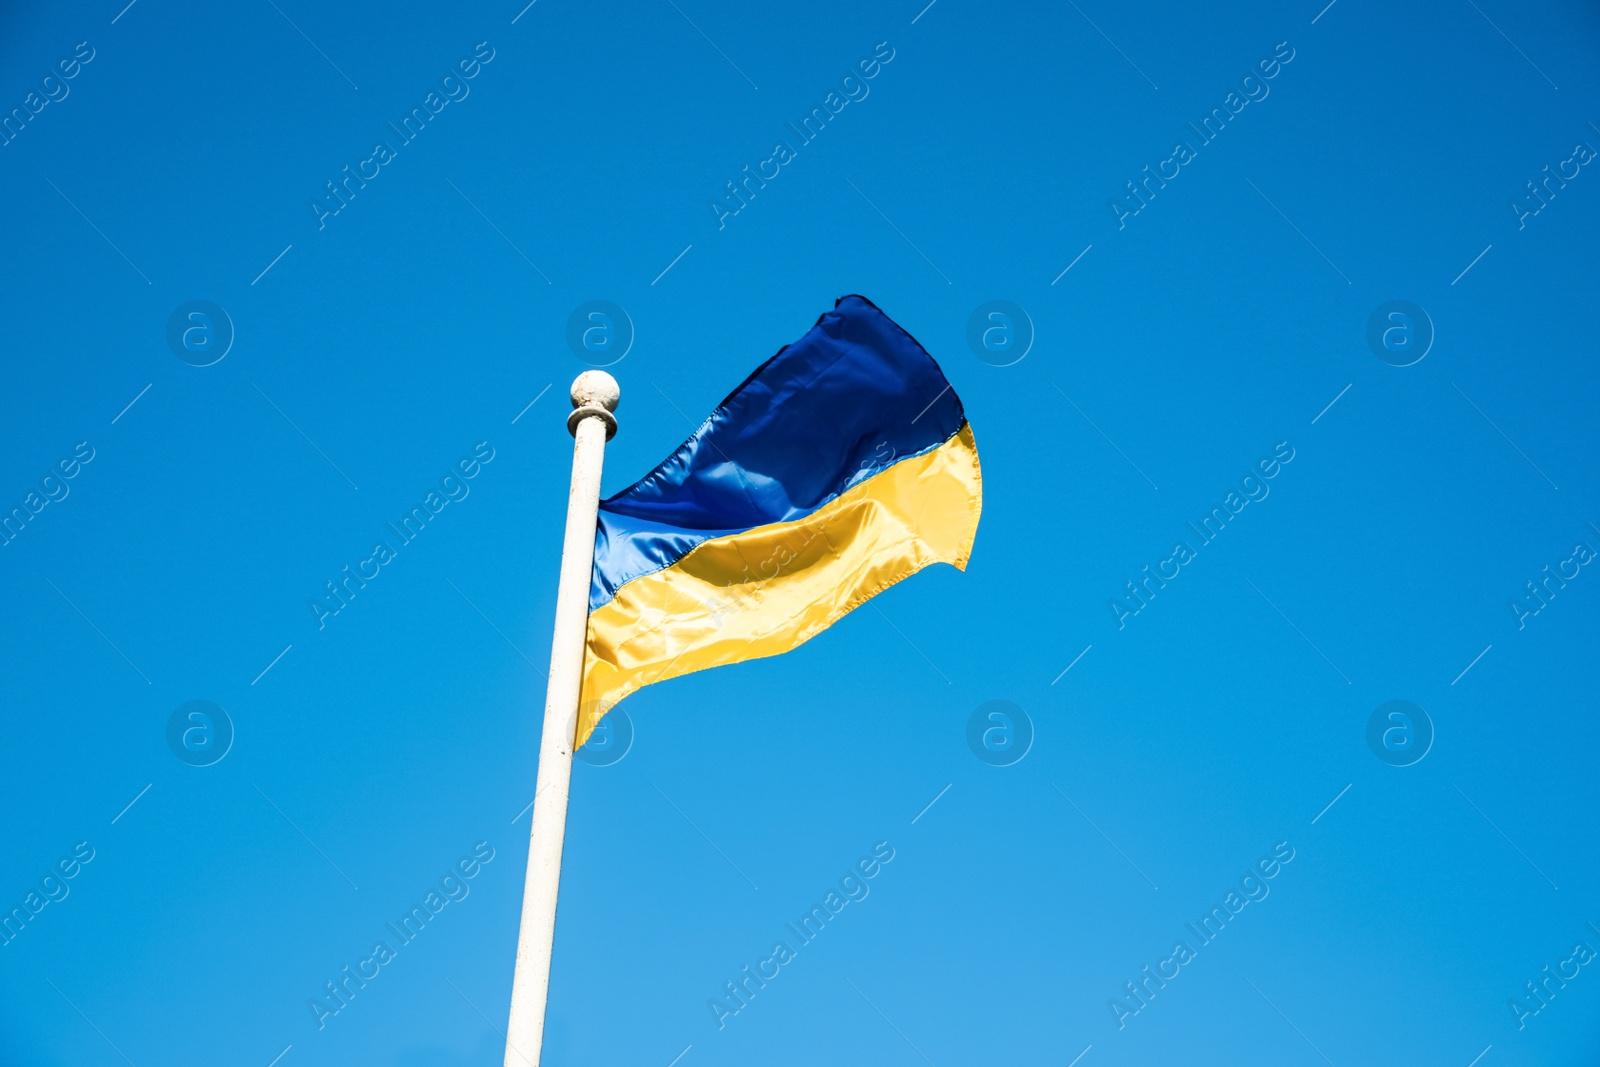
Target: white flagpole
(594, 397)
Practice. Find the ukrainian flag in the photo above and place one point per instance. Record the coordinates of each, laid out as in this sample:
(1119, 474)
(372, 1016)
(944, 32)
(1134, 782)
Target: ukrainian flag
(842, 465)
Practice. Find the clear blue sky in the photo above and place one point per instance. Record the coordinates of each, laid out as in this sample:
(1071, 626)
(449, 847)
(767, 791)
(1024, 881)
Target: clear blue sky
(376, 347)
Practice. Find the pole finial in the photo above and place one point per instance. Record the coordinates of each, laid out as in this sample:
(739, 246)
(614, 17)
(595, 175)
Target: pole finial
(594, 393)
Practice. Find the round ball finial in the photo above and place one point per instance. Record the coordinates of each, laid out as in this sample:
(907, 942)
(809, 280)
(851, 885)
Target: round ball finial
(596, 388)
(595, 394)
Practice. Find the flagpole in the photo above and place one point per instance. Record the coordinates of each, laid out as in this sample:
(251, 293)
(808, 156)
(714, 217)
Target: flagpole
(594, 397)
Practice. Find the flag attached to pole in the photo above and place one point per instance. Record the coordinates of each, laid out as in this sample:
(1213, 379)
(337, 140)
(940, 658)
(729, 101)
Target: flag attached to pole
(842, 465)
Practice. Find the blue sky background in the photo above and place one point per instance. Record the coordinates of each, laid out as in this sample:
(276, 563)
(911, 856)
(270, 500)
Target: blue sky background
(374, 353)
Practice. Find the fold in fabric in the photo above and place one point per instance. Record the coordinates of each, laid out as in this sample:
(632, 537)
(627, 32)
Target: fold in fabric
(853, 396)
